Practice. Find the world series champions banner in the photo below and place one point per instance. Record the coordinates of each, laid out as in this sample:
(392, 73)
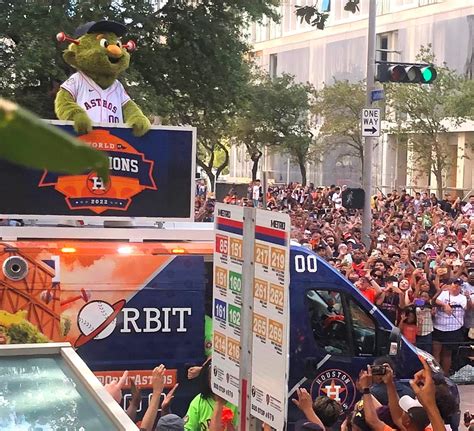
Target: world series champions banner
(150, 177)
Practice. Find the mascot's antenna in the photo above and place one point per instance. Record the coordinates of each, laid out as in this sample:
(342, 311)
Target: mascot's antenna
(130, 46)
(63, 37)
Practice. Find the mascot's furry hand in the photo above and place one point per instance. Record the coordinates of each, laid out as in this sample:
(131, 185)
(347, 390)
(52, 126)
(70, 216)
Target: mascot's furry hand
(82, 123)
(140, 125)
(135, 118)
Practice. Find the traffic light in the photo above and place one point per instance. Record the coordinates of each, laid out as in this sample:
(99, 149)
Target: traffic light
(406, 73)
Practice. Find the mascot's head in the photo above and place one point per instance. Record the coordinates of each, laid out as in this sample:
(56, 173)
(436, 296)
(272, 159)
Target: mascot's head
(97, 51)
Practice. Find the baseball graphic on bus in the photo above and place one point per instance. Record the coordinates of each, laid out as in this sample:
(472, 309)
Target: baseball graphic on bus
(97, 320)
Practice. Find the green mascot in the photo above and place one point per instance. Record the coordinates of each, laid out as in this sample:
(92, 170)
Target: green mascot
(93, 93)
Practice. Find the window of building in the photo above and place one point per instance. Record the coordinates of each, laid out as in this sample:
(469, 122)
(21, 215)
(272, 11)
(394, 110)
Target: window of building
(387, 42)
(383, 46)
(326, 6)
(273, 65)
(340, 326)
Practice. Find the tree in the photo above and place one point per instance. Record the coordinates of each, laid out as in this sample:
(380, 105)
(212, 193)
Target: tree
(213, 151)
(462, 102)
(189, 67)
(425, 112)
(298, 138)
(275, 115)
(339, 106)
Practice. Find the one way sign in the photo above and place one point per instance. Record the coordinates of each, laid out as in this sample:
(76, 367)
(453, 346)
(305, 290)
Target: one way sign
(370, 122)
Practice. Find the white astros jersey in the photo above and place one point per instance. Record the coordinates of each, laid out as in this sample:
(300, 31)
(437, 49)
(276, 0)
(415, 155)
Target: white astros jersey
(102, 106)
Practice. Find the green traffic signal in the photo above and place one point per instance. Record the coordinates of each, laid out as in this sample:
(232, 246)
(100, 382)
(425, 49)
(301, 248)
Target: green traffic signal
(428, 74)
(405, 73)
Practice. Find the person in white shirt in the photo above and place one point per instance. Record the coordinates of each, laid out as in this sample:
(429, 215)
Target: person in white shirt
(337, 198)
(417, 202)
(448, 323)
(468, 209)
(256, 192)
(468, 291)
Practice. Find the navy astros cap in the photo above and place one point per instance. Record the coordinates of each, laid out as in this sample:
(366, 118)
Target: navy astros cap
(98, 26)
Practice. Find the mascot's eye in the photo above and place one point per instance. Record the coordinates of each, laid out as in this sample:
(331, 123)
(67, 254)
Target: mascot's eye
(103, 43)
(119, 44)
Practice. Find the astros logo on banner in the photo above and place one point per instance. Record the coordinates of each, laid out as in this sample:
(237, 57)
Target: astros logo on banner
(130, 174)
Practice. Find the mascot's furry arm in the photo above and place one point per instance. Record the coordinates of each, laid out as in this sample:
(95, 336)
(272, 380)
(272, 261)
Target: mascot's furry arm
(135, 118)
(67, 109)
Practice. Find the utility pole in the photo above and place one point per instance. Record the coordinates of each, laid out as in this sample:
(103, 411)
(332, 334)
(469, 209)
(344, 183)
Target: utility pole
(369, 141)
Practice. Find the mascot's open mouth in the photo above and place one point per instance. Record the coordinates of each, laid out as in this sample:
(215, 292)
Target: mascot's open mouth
(113, 60)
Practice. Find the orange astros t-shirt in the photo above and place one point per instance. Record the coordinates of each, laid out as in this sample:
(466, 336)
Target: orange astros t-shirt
(369, 294)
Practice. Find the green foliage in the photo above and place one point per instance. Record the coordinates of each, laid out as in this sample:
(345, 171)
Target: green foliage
(65, 325)
(461, 103)
(425, 112)
(189, 67)
(340, 105)
(313, 16)
(275, 115)
(27, 140)
(25, 332)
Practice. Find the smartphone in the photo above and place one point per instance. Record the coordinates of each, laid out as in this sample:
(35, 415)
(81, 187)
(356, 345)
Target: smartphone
(378, 370)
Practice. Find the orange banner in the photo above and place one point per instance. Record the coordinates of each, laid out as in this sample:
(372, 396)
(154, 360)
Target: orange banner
(142, 378)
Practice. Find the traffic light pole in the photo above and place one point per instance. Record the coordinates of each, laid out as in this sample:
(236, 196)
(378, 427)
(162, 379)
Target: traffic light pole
(369, 142)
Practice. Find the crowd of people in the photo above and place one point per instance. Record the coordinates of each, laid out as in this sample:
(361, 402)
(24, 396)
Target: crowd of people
(417, 266)
(428, 403)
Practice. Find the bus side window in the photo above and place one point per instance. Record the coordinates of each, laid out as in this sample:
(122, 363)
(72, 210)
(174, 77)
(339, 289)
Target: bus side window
(328, 324)
(363, 330)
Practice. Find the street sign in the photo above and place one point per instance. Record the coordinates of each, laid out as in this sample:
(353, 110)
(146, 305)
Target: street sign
(377, 95)
(251, 313)
(370, 122)
(271, 318)
(227, 301)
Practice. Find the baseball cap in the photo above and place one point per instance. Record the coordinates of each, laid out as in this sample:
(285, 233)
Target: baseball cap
(455, 281)
(415, 411)
(353, 241)
(451, 250)
(98, 26)
(304, 425)
(170, 422)
(420, 252)
(428, 247)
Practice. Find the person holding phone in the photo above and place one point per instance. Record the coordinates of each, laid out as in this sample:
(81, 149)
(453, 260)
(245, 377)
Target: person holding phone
(448, 323)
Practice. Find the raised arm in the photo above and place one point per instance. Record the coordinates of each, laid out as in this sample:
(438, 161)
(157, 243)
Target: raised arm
(305, 404)
(370, 412)
(395, 410)
(152, 410)
(424, 388)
